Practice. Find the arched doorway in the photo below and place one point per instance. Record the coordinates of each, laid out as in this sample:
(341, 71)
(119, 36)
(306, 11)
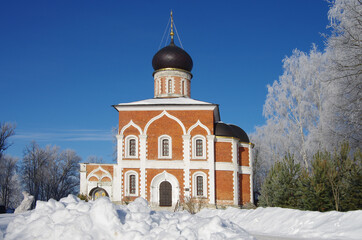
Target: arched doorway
(98, 193)
(165, 194)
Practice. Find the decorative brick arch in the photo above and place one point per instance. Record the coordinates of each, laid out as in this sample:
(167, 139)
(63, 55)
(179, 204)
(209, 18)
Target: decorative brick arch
(104, 174)
(131, 123)
(198, 123)
(164, 113)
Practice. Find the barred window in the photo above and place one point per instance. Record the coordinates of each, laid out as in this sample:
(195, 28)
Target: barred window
(199, 186)
(199, 148)
(132, 184)
(165, 148)
(132, 147)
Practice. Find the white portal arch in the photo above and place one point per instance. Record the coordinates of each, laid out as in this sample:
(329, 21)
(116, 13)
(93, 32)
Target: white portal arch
(164, 113)
(155, 188)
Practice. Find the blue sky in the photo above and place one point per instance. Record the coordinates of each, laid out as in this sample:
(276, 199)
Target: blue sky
(64, 63)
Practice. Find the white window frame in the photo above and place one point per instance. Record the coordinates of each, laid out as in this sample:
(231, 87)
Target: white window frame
(127, 143)
(126, 183)
(199, 137)
(168, 86)
(204, 184)
(160, 147)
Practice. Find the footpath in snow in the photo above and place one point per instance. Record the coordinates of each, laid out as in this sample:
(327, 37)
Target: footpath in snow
(71, 218)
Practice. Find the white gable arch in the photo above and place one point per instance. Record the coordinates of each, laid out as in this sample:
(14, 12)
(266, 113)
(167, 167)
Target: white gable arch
(131, 123)
(165, 113)
(198, 123)
(104, 174)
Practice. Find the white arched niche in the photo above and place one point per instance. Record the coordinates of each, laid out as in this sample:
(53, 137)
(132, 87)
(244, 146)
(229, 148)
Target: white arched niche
(155, 188)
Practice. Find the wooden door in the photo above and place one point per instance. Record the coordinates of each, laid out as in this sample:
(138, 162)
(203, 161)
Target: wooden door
(165, 194)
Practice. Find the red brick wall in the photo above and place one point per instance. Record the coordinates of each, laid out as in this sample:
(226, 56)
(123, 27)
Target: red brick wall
(223, 152)
(165, 126)
(244, 185)
(244, 156)
(188, 118)
(224, 185)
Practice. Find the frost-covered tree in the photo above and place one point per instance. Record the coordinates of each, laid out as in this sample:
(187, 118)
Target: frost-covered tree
(48, 172)
(6, 131)
(293, 106)
(10, 188)
(345, 69)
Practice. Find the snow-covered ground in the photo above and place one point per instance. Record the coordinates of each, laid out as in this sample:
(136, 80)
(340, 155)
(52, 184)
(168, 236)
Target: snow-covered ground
(71, 218)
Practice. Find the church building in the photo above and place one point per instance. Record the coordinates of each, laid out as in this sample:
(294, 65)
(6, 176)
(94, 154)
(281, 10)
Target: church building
(172, 147)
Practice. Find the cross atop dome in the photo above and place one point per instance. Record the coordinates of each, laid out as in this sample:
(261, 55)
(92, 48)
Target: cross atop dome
(172, 67)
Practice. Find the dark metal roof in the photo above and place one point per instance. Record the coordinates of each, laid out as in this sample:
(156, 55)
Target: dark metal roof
(230, 130)
(240, 133)
(172, 56)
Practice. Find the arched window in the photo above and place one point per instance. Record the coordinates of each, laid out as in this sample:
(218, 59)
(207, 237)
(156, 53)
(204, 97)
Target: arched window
(131, 147)
(199, 186)
(131, 183)
(164, 147)
(183, 88)
(199, 147)
(169, 86)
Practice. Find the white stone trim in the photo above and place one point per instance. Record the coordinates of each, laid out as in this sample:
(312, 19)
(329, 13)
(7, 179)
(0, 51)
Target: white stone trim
(224, 139)
(235, 150)
(160, 149)
(199, 137)
(245, 170)
(186, 156)
(126, 146)
(104, 174)
(211, 167)
(155, 187)
(126, 183)
(198, 123)
(131, 123)
(224, 166)
(251, 174)
(174, 73)
(164, 113)
(119, 148)
(204, 184)
(169, 107)
(83, 178)
(143, 157)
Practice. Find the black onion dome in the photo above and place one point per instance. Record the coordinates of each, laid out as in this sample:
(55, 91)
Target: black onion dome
(223, 129)
(172, 56)
(240, 133)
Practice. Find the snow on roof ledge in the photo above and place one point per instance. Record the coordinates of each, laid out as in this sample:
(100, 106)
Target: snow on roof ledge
(166, 101)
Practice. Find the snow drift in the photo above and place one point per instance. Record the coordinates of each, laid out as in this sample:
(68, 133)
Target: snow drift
(71, 218)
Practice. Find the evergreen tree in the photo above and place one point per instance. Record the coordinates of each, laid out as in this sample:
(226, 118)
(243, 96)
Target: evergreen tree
(281, 184)
(315, 189)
